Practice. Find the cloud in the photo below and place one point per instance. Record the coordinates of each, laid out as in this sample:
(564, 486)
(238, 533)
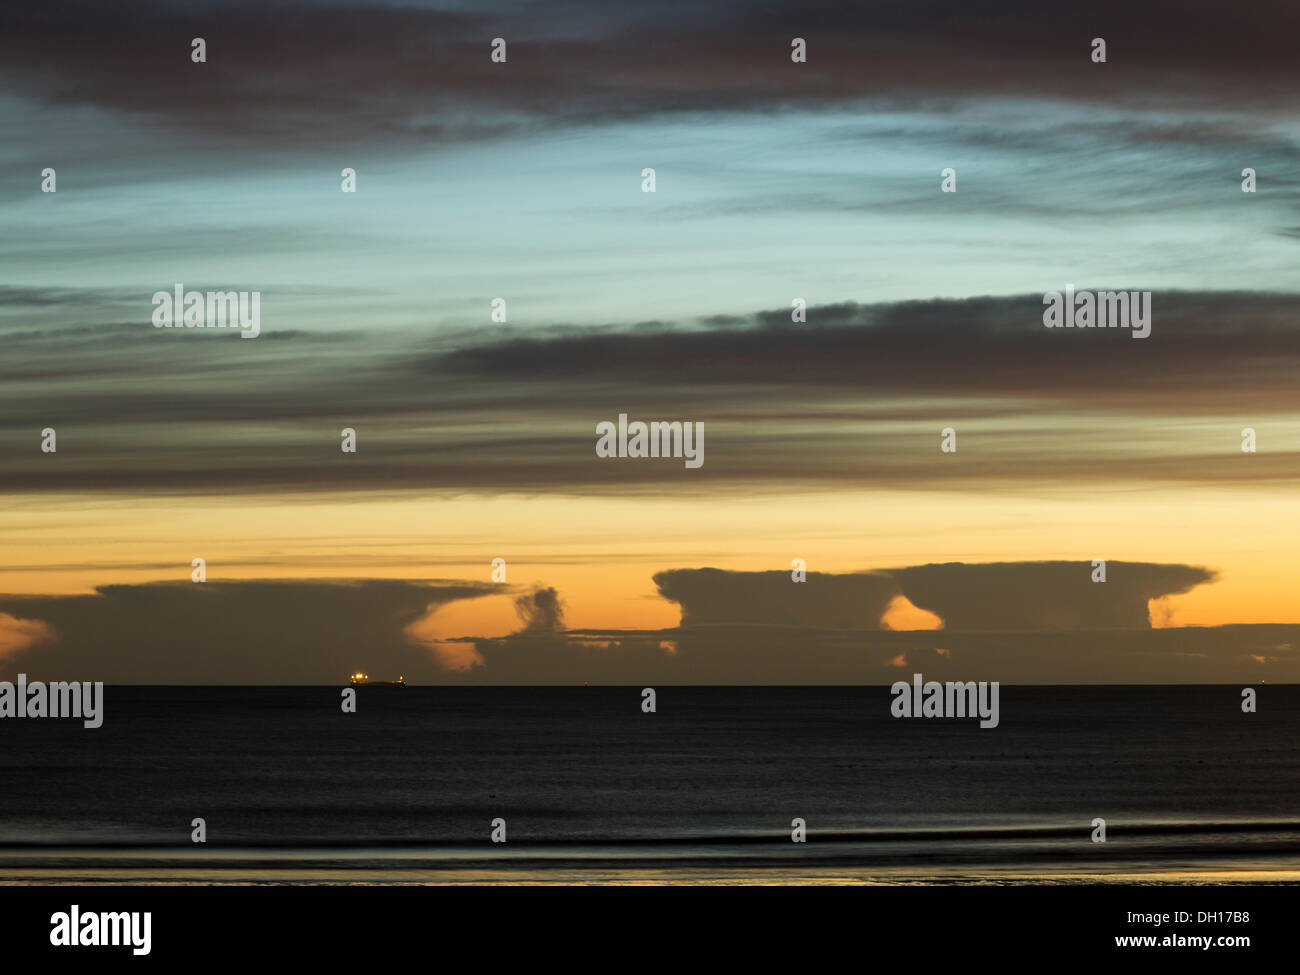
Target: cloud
(263, 632)
(17, 634)
(767, 654)
(1017, 596)
(858, 395)
(981, 346)
(311, 632)
(291, 72)
(1001, 596)
(541, 611)
(712, 596)
(529, 658)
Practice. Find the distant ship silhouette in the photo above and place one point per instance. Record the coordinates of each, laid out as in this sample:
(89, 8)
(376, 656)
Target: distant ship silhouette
(360, 678)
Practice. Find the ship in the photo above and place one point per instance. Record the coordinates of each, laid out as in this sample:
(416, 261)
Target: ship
(359, 678)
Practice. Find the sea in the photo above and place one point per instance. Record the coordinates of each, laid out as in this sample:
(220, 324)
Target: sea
(713, 786)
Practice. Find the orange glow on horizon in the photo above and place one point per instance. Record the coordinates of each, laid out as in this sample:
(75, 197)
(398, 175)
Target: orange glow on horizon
(600, 553)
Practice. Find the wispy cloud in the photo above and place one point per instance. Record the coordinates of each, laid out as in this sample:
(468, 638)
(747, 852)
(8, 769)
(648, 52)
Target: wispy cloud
(858, 394)
(296, 72)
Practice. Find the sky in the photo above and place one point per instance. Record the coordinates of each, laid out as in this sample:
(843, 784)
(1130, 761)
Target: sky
(775, 181)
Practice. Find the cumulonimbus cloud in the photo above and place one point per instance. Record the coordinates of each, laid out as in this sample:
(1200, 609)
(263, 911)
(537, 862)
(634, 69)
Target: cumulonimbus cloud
(18, 634)
(1018, 596)
(318, 632)
(1000, 597)
(852, 601)
(249, 632)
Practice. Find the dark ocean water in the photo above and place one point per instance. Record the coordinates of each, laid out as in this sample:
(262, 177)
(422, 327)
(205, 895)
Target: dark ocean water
(705, 789)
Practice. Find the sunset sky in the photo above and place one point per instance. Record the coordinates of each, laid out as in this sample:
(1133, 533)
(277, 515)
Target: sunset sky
(523, 180)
